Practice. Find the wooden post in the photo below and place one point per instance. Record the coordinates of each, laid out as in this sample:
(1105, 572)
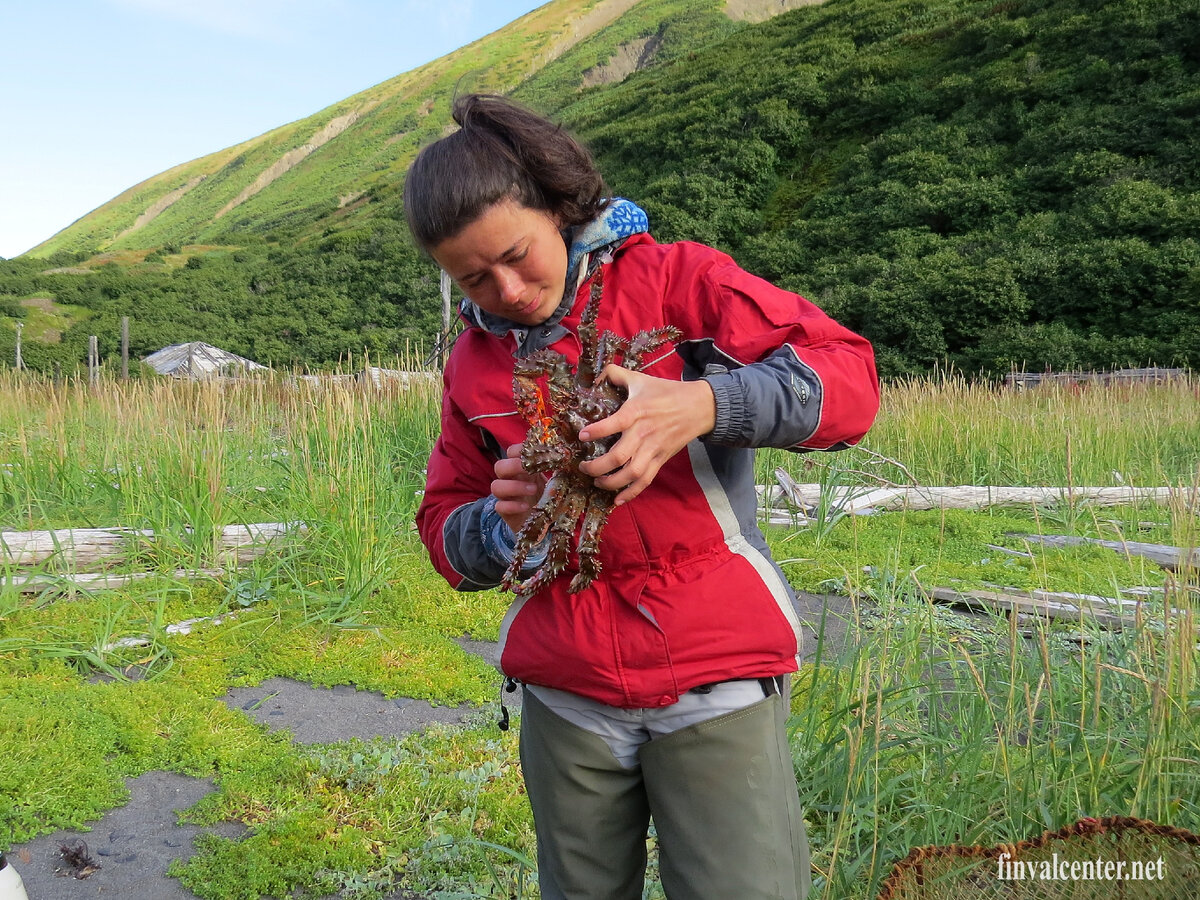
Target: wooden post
(19, 364)
(124, 348)
(93, 360)
(445, 286)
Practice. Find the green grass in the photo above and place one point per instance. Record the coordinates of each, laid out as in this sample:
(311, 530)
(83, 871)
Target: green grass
(956, 548)
(976, 433)
(928, 728)
(932, 731)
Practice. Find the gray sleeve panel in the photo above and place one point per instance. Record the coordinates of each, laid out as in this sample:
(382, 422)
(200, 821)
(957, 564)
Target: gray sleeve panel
(772, 403)
(463, 543)
(480, 545)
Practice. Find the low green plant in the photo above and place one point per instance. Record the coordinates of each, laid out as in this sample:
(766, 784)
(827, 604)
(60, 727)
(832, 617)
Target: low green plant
(928, 728)
(442, 810)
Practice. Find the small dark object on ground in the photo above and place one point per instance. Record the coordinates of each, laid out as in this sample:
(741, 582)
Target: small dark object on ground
(80, 863)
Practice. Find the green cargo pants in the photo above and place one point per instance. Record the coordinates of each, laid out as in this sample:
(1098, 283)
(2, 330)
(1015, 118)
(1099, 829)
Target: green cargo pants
(722, 794)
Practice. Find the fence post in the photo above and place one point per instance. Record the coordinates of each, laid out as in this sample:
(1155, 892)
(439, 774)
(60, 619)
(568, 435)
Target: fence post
(445, 286)
(93, 360)
(124, 348)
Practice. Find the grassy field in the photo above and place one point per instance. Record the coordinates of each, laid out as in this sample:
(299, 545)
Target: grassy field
(929, 728)
(46, 320)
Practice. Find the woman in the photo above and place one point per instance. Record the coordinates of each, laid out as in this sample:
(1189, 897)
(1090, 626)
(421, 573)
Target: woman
(660, 690)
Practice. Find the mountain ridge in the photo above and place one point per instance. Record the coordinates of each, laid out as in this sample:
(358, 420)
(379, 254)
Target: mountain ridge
(186, 203)
(970, 184)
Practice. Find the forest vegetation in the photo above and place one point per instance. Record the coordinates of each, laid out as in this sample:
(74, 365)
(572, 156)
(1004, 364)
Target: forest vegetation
(973, 185)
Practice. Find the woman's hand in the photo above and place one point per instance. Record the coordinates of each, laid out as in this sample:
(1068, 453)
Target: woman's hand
(516, 491)
(659, 418)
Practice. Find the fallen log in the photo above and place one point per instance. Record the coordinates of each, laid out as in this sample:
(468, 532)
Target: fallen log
(1165, 555)
(96, 581)
(857, 499)
(71, 549)
(1043, 604)
(182, 628)
(1008, 551)
(1153, 375)
(1123, 606)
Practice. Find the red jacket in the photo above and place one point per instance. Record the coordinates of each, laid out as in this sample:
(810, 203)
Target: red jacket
(688, 592)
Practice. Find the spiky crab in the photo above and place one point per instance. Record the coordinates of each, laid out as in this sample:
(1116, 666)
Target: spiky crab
(556, 415)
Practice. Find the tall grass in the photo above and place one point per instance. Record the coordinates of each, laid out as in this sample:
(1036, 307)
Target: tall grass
(931, 731)
(148, 453)
(925, 729)
(187, 458)
(950, 431)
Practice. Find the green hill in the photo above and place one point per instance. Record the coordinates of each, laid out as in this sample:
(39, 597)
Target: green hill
(343, 162)
(979, 184)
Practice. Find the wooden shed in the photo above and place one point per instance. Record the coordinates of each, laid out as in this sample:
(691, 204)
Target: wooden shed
(197, 359)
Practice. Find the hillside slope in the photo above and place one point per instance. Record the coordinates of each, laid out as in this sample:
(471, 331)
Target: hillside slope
(975, 184)
(970, 183)
(330, 166)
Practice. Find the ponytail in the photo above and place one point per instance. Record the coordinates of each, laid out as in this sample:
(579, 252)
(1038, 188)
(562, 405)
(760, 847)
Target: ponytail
(502, 151)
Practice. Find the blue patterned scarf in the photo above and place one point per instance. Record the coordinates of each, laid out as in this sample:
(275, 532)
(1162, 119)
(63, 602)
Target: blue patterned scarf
(619, 220)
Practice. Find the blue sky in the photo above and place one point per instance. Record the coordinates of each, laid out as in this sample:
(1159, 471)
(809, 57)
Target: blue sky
(98, 95)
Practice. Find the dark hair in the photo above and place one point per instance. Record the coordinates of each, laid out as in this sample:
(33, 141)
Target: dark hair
(502, 151)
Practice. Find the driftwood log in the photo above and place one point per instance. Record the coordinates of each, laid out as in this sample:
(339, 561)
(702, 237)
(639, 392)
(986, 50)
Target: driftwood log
(97, 581)
(1024, 380)
(179, 628)
(76, 549)
(857, 499)
(1108, 612)
(1165, 555)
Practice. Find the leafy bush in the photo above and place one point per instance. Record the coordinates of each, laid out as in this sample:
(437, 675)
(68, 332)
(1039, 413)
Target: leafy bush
(968, 183)
(956, 179)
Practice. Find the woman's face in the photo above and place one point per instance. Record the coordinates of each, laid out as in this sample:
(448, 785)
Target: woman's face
(511, 261)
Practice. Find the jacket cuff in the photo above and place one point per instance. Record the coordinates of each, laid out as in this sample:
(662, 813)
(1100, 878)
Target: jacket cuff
(731, 409)
(500, 543)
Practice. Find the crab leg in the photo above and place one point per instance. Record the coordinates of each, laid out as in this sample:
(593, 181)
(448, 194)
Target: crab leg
(647, 342)
(588, 370)
(555, 516)
(599, 505)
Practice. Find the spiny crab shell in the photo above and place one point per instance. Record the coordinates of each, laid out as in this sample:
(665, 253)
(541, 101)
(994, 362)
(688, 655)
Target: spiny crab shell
(571, 400)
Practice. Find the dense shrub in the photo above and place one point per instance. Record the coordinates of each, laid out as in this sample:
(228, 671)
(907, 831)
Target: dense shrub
(967, 182)
(971, 183)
